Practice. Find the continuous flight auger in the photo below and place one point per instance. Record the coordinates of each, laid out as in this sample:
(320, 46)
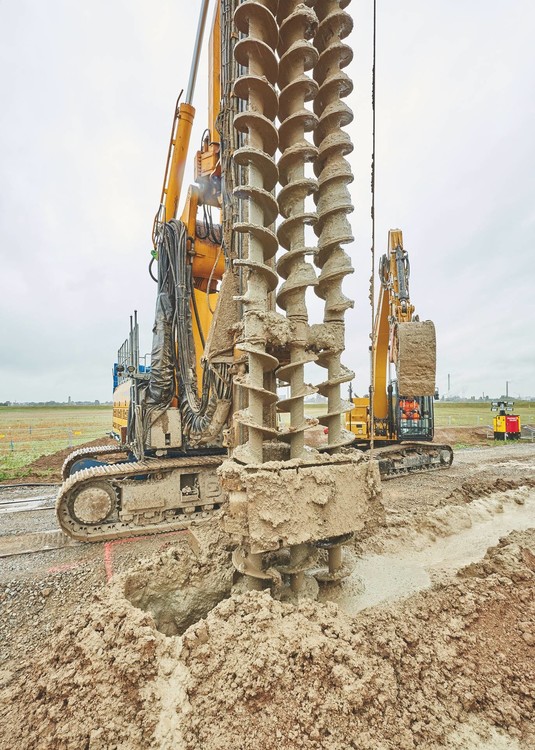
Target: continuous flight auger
(333, 229)
(256, 52)
(297, 55)
(297, 500)
(333, 201)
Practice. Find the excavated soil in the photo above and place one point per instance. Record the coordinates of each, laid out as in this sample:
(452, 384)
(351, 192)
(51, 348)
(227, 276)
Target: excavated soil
(416, 358)
(443, 662)
(47, 469)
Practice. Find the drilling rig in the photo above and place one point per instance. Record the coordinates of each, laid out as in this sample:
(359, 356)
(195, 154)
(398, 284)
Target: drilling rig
(266, 220)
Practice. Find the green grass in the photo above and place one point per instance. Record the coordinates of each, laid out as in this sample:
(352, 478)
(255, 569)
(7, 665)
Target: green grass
(477, 413)
(28, 432)
(458, 414)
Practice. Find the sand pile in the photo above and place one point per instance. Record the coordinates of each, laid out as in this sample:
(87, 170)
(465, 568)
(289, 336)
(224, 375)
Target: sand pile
(452, 667)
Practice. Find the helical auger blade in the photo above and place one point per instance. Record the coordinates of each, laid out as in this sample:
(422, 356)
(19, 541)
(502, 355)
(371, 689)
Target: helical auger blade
(297, 55)
(333, 199)
(256, 19)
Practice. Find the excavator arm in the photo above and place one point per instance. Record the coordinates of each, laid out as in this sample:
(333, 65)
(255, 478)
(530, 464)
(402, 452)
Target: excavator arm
(399, 339)
(400, 407)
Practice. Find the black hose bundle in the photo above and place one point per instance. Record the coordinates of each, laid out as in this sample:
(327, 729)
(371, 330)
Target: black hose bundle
(173, 363)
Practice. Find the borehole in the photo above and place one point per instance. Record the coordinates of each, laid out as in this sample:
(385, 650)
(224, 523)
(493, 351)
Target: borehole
(180, 589)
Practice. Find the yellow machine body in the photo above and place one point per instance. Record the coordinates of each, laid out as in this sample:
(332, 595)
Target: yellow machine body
(358, 419)
(395, 322)
(500, 424)
(121, 403)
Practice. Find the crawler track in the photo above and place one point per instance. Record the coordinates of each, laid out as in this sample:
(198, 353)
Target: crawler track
(412, 458)
(165, 508)
(92, 452)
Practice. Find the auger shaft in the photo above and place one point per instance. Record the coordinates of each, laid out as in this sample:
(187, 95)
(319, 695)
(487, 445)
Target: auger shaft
(297, 24)
(256, 52)
(333, 199)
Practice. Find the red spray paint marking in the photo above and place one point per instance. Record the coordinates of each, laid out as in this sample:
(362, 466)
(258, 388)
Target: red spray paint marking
(108, 547)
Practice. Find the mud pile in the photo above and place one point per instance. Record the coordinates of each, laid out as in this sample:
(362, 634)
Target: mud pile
(88, 689)
(451, 667)
(416, 358)
(407, 676)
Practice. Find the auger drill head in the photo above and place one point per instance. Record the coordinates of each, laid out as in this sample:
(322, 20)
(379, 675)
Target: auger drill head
(311, 498)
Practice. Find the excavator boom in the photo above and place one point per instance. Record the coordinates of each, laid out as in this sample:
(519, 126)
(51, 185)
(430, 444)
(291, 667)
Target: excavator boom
(402, 405)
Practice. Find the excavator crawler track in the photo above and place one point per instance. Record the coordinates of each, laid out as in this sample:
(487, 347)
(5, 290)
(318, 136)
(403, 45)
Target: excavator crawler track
(412, 458)
(107, 502)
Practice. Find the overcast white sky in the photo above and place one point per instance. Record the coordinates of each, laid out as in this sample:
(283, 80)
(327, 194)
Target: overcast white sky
(87, 93)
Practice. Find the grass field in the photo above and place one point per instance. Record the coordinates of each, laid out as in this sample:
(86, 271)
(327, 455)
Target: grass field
(473, 413)
(26, 432)
(460, 414)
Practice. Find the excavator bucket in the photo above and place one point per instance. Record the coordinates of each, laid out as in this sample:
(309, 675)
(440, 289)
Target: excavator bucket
(416, 360)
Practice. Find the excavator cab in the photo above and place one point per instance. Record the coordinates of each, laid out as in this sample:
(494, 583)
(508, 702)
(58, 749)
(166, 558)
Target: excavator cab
(414, 417)
(409, 417)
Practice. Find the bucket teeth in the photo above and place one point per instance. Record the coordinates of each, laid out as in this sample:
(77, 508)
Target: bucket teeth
(297, 25)
(333, 199)
(256, 52)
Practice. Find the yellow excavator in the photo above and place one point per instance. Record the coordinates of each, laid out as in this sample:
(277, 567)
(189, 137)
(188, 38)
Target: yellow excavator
(397, 416)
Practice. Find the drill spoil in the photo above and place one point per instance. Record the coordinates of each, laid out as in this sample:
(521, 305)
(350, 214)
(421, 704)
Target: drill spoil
(416, 358)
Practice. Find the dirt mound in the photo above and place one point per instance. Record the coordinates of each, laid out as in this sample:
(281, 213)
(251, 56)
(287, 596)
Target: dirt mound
(89, 689)
(401, 677)
(462, 436)
(482, 487)
(452, 667)
(48, 468)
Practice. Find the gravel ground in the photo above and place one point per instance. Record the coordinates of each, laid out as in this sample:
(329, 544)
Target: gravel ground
(40, 593)
(72, 575)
